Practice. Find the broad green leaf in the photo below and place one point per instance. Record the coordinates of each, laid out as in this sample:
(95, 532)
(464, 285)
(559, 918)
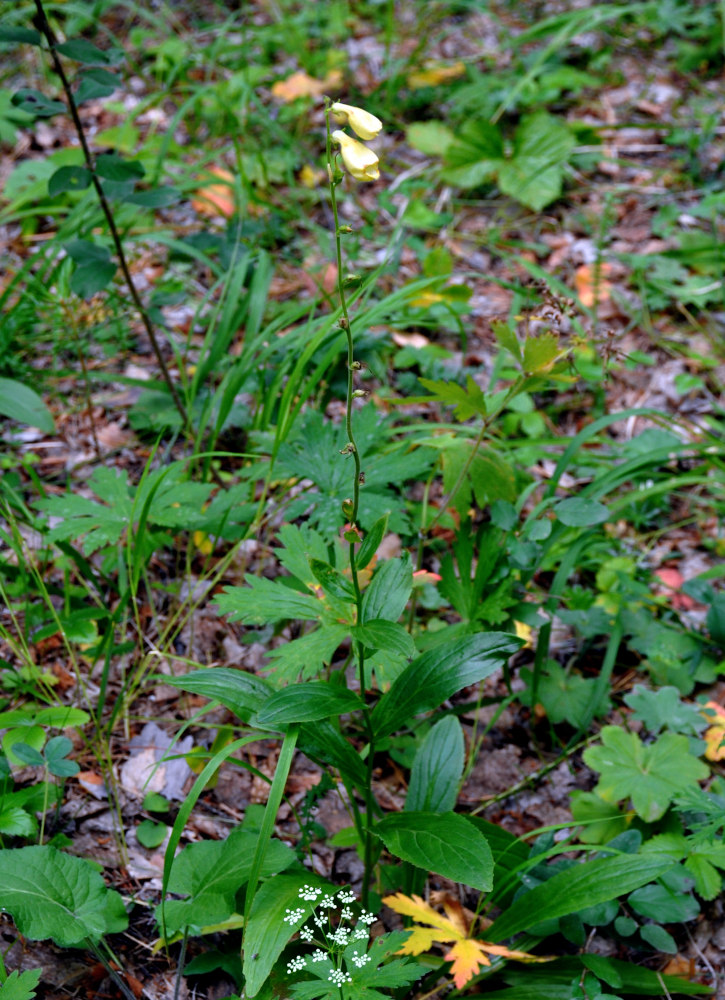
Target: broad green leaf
(23, 404)
(382, 634)
(437, 769)
(578, 512)
(602, 821)
(90, 279)
(332, 581)
(371, 542)
(16, 822)
(664, 709)
(85, 52)
(159, 197)
(432, 138)
(114, 168)
(507, 338)
(509, 857)
(25, 36)
(708, 881)
(86, 252)
(580, 886)
(55, 895)
(466, 403)
(266, 601)
(150, 834)
(651, 775)
(69, 179)
(268, 932)
(534, 174)
(492, 478)
(209, 873)
(659, 938)
(387, 593)
(36, 104)
(308, 703)
(474, 156)
(96, 83)
(436, 675)
(661, 902)
(240, 692)
(322, 742)
(444, 843)
(20, 985)
(566, 697)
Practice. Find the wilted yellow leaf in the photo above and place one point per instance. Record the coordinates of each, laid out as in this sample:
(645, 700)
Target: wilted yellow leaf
(467, 954)
(715, 735)
(301, 84)
(435, 73)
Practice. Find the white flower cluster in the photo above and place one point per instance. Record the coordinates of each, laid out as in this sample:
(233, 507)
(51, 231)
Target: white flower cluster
(333, 936)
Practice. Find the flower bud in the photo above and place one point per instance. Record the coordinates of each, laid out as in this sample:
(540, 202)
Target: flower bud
(347, 507)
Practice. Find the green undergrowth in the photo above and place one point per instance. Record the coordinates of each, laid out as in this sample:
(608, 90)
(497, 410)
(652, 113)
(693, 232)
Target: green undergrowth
(248, 306)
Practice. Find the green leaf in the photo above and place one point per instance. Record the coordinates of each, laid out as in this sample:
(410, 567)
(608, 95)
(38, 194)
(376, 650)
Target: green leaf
(268, 933)
(467, 403)
(89, 279)
(55, 895)
(20, 985)
(578, 512)
(266, 601)
(322, 742)
(492, 477)
(708, 881)
(86, 252)
(661, 902)
(69, 179)
(371, 542)
(540, 353)
(96, 83)
(36, 104)
(210, 873)
(659, 938)
(715, 620)
(664, 709)
(20, 403)
(25, 36)
(580, 886)
(160, 197)
(436, 675)
(15, 822)
(437, 769)
(307, 655)
(381, 634)
(240, 692)
(150, 834)
(444, 843)
(85, 52)
(553, 981)
(534, 175)
(474, 156)
(565, 696)
(332, 581)
(432, 138)
(115, 168)
(602, 821)
(387, 593)
(308, 703)
(651, 775)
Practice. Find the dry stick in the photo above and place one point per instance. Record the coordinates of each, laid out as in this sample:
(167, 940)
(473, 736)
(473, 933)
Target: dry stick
(41, 23)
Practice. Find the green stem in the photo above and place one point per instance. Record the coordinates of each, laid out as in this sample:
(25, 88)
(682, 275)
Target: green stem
(351, 447)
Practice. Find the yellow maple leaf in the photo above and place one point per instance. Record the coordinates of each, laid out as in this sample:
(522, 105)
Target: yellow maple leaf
(467, 953)
(715, 735)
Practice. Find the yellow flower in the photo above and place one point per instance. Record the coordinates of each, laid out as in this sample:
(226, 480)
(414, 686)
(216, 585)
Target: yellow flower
(361, 162)
(361, 122)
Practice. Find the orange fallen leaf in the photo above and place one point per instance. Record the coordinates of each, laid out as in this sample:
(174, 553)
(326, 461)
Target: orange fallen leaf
(301, 84)
(216, 199)
(467, 954)
(591, 283)
(434, 74)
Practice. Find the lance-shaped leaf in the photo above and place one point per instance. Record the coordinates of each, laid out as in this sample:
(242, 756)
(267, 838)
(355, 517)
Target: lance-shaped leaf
(436, 675)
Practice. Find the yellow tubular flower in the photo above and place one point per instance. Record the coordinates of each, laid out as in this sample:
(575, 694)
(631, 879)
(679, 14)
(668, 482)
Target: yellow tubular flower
(362, 123)
(360, 161)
